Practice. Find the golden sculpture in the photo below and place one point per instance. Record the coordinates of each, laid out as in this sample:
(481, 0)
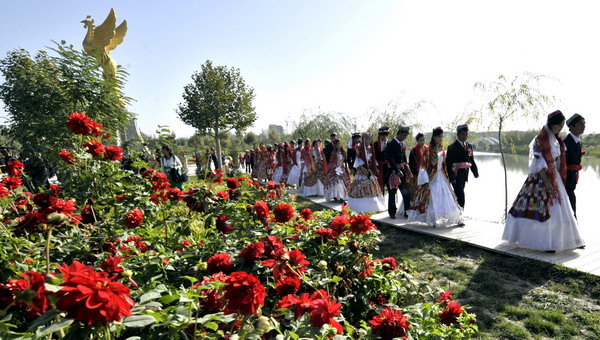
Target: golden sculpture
(99, 41)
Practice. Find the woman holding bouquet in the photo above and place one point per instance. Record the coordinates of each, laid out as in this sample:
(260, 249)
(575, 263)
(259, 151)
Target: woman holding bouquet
(338, 177)
(434, 203)
(541, 216)
(365, 194)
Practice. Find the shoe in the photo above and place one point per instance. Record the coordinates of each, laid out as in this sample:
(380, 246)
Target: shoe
(405, 215)
(550, 251)
(582, 247)
(461, 224)
(393, 217)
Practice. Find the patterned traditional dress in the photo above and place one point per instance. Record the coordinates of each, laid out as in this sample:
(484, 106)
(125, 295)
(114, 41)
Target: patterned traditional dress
(315, 176)
(365, 194)
(263, 166)
(434, 203)
(338, 178)
(536, 220)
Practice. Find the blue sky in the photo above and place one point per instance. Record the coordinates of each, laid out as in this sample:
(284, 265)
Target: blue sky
(343, 56)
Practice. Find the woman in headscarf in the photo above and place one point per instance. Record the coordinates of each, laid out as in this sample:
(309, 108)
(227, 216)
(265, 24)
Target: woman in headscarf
(541, 216)
(338, 177)
(415, 158)
(365, 194)
(434, 202)
(313, 180)
(294, 176)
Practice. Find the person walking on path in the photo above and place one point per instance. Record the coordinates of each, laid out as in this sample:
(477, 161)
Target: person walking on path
(171, 166)
(541, 216)
(460, 160)
(379, 149)
(574, 152)
(399, 175)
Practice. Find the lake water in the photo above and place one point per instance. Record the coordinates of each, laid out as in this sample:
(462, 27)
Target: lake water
(485, 195)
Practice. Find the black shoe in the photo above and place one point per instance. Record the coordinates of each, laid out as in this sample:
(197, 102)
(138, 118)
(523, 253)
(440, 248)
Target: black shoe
(461, 224)
(582, 247)
(405, 215)
(393, 217)
(550, 251)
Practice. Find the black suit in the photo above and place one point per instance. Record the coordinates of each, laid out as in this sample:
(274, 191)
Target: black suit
(573, 155)
(328, 150)
(457, 154)
(384, 169)
(350, 158)
(395, 153)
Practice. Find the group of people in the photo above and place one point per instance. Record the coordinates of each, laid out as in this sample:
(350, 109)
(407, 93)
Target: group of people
(432, 179)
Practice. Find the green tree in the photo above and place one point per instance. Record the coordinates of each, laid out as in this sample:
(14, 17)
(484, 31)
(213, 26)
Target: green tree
(39, 93)
(507, 100)
(323, 124)
(250, 138)
(218, 100)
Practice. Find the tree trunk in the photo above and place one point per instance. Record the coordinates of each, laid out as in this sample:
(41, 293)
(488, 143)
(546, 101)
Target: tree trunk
(504, 167)
(218, 147)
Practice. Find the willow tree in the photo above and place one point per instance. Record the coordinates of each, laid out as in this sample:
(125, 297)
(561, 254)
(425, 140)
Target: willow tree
(508, 101)
(218, 100)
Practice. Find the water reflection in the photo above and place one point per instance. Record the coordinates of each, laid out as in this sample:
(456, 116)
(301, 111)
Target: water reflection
(485, 195)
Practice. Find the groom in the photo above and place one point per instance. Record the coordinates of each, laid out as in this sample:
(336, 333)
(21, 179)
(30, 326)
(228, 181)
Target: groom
(576, 126)
(395, 153)
(459, 160)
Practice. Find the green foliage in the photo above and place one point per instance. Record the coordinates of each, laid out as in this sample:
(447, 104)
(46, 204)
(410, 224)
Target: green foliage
(40, 92)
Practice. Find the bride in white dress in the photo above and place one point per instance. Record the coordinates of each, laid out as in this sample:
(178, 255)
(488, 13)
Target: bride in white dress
(365, 193)
(541, 216)
(434, 203)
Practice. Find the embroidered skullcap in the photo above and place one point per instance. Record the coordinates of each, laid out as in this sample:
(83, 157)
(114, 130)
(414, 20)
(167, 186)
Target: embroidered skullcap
(404, 129)
(384, 130)
(419, 136)
(356, 135)
(576, 118)
(333, 135)
(438, 131)
(300, 141)
(463, 127)
(555, 118)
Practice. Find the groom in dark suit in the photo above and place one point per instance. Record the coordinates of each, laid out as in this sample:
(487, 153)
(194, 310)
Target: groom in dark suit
(459, 159)
(395, 153)
(576, 126)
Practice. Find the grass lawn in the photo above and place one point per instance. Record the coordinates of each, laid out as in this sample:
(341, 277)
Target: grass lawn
(514, 298)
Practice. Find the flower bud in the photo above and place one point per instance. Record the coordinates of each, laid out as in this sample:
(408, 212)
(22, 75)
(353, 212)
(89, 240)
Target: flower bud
(322, 265)
(262, 324)
(339, 269)
(202, 265)
(56, 218)
(128, 273)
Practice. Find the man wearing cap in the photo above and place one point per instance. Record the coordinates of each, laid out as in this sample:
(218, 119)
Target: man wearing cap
(329, 146)
(379, 145)
(395, 153)
(576, 126)
(351, 153)
(459, 160)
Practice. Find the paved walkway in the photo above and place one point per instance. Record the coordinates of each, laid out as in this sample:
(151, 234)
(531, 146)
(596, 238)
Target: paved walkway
(488, 235)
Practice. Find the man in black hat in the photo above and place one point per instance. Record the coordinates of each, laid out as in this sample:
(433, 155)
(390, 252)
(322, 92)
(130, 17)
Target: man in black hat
(351, 153)
(379, 146)
(459, 159)
(395, 153)
(576, 126)
(329, 146)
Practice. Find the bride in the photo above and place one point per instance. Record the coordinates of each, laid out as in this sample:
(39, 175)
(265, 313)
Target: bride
(541, 216)
(434, 203)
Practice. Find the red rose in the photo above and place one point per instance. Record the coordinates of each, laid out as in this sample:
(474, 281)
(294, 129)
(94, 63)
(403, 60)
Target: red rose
(288, 285)
(361, 224)
(81, 124)
(211, 299)
(445, 297)
(283, 212)
(450, 315)
(261, 209)
(94, 147)
(326, 234)
(244, 293)
(219, 263)
(90, 297)
(12, 182)
(298, 304)
(14, 168)
(339, 224)
(291, 264)
(111, 266)
(29, 223)
(113, 153)
(222, 224)
(55, 190)
(175, 194)
(134, 218)
(390, 324)
(388, 263)
(232, 183)
(306, 214)
(39, 302)
(66, 156)
(42, 200)
(222, 195)
(252, 251)
(273, 247)
(58, 205)
(323, 311)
